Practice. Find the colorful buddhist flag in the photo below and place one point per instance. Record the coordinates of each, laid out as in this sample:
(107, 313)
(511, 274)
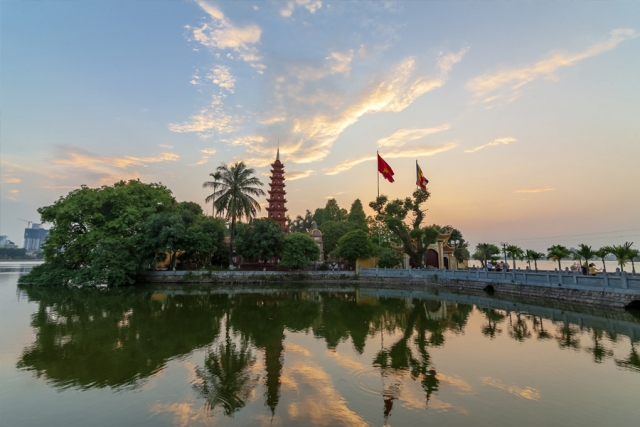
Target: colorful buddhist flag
(385, 169)
(421, 181)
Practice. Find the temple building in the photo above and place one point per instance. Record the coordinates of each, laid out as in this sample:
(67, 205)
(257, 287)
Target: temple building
(276, 209)
(440, 254)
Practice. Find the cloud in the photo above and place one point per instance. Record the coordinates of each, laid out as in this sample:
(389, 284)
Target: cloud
(78, 157)
(526, 393)
(341, 62)
(13, 194)
(11, 180)
(535, 190)
(499, 141)
(208, 152)
(222, 77)
(104, 170)
(210, 120)
(293, 175)
(310, 5)
(408, 152)
(313, 137)
(402, 136)
(167, 146)
(224, 35)
(507, 83)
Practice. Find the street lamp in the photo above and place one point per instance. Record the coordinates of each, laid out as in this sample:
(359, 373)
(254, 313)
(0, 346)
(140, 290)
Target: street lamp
(455, 248)
(504, 250)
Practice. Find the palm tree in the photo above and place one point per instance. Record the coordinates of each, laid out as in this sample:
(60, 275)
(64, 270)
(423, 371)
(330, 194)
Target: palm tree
(585, 252)
(623, 253)
(602, 254)
(212, 184)
(514, 252)
(234, 196)
(557, 253)
(633, 254)
(534, 256)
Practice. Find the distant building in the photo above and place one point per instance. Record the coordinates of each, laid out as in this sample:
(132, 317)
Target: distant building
(34, 237)
(6, 243)
(276, 209)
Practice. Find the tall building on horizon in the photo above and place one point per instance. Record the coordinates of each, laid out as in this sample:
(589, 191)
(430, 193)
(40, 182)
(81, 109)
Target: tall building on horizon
(34, 237)
(276, 209)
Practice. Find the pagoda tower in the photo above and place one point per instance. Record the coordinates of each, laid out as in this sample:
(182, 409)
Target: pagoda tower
(276, 210)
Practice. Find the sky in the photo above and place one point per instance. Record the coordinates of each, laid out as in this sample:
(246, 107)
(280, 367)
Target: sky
(523, 115)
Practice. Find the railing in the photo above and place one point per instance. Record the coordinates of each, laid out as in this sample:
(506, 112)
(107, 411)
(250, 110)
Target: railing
(604, 281)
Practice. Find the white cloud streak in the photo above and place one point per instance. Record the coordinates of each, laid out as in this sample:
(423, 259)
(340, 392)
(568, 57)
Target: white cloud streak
(403, 136)
(408, 152)
(294, 175)
(535, 190)
(499, 141)
(507, 83)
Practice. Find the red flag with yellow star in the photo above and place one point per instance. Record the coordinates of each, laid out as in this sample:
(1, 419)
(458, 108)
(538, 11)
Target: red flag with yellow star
(385, 169)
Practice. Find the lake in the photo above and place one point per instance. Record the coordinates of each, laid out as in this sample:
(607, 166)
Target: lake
(144, 357)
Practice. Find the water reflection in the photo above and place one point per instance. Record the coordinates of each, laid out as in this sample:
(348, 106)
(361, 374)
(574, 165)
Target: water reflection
(119, 338)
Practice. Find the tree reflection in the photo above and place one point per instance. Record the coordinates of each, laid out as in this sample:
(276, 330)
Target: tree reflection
(115, 338)
(631, 363)
(538, 327)
(567, 336)
(494, 318)
(598, 351)
(262, 319)
(519, 330)
(226, 378)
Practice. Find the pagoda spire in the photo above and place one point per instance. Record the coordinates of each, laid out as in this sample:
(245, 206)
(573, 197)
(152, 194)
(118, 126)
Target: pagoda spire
(276, 209)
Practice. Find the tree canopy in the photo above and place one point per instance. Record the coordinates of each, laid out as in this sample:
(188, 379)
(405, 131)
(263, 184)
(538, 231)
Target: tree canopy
(262, 238)
(415, 238)
(300, 250)
(106, 235)
(353, 245)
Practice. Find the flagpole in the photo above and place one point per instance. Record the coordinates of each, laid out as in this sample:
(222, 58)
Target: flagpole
(378, 175)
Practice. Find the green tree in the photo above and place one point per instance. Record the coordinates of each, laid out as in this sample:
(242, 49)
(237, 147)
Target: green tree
(602, 254)
(235, 197)
(332, 231)
(161, 233)
(485, 252)
(534, 256)
(353, 245)
(212, 184)
(205, 241)
(557, 253)
(584, 252)
(263, 238)
(388, 258)
(357, 216)
(300, 250)
(415, 239)
(623, 254)
(90, 222)
(302, 224)
(331, 212)
(514, 252)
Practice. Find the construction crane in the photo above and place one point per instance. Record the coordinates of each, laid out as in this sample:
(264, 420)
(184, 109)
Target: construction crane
(27, 221)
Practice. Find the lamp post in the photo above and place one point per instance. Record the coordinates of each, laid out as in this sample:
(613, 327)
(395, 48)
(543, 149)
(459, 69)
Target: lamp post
(455, 248)
(504, 251)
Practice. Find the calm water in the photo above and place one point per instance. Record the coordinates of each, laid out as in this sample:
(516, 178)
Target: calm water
(145, 358)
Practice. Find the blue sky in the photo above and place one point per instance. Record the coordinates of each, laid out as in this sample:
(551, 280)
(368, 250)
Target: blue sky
(523, 115)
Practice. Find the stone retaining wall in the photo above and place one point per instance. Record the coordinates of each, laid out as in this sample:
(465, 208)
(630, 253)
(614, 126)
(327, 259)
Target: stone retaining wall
(574, 294)
(243, 277)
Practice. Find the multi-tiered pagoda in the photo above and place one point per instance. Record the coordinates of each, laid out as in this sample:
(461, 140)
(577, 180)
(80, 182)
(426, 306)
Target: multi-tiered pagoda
(276, 200)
